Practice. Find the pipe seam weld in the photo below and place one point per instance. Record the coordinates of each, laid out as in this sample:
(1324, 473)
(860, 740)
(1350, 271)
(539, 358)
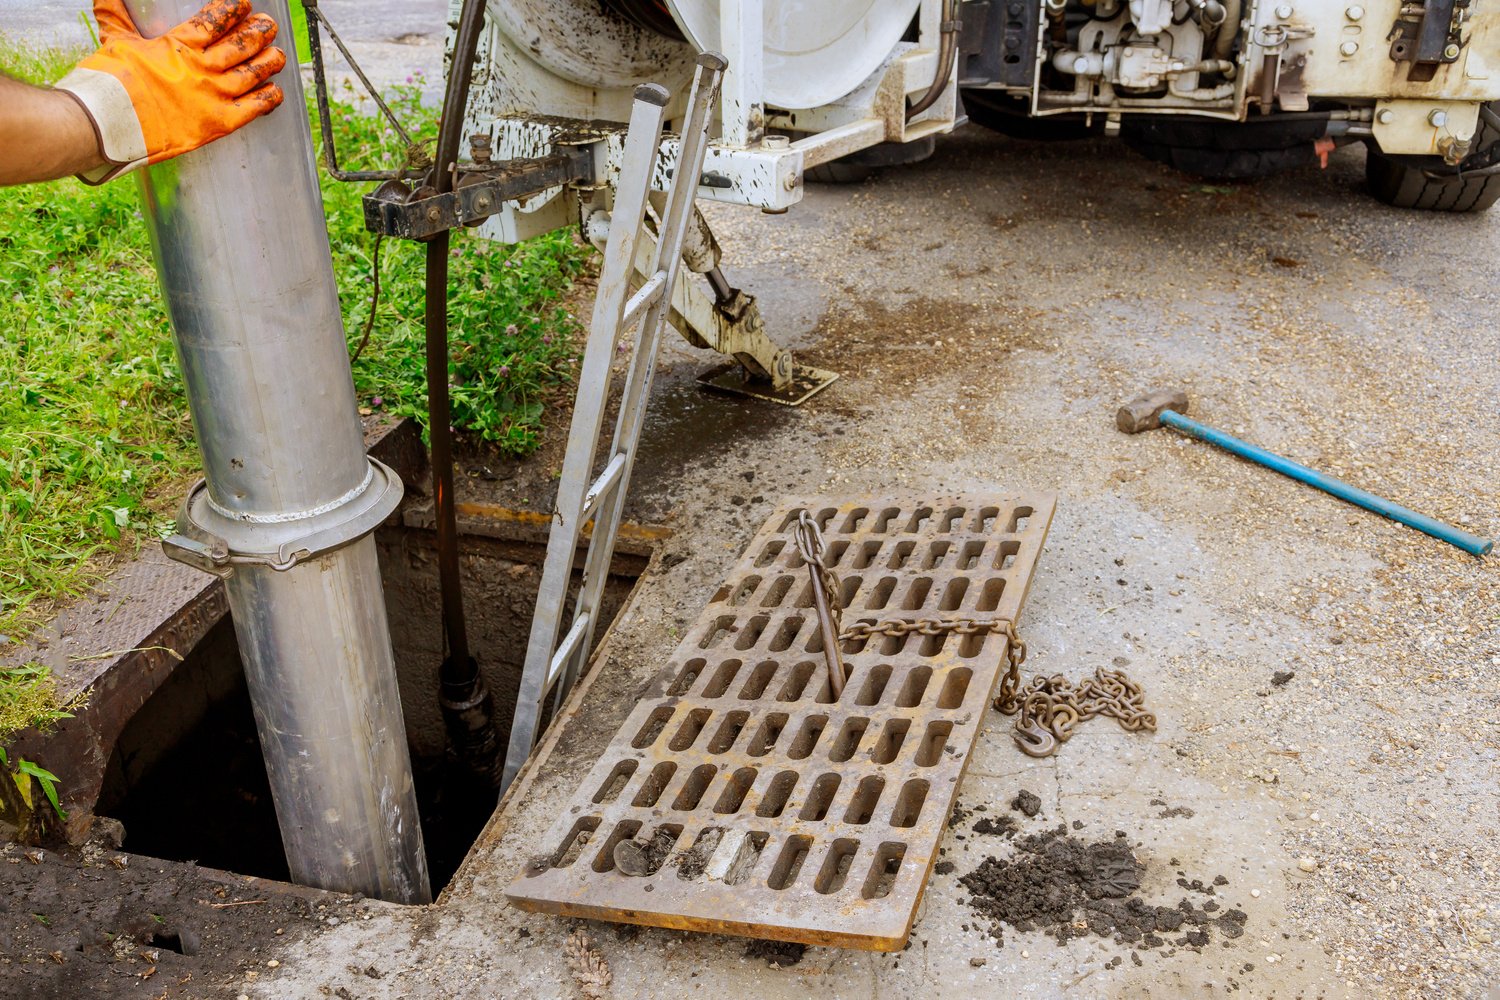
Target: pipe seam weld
(294, 515)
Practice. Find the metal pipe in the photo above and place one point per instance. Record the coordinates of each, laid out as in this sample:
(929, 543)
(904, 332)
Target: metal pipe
(947, 55)
(1470, 543)
(466, 703)
(243, 259)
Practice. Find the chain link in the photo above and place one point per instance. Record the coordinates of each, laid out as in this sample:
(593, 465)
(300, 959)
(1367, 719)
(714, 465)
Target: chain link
(1046, 710)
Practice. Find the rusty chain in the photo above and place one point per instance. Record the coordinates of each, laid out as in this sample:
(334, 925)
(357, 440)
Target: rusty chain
(1047, 710)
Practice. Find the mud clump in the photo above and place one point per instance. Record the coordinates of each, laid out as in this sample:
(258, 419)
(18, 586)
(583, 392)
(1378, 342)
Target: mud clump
(1002, 826)
(636, 859)
(776, 954)
(1068, 888)
(693, 862)
(1027, 803)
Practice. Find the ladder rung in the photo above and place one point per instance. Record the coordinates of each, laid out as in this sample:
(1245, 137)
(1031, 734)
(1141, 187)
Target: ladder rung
(565, 649)
(642, 299)
(603, 485)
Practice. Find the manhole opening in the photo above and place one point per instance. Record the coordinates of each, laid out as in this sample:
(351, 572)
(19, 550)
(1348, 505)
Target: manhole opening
(187, 778)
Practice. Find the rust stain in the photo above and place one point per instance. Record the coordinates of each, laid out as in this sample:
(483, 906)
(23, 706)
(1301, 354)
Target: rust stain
(789, 812)
(629, 531)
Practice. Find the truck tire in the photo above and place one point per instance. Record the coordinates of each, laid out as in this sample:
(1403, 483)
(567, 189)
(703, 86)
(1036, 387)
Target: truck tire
(856, 168)
(998, 112)
(1226, 151)
(1399, 182)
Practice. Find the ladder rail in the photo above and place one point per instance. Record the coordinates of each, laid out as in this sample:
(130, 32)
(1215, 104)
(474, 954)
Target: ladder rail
(632, 415)
(642, 142)
(552, 666)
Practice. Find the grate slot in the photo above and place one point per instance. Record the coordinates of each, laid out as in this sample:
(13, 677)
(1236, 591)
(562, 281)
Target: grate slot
(735, 790)
(571, 849)
(777, 792)
(654, 785)
(790, 813)
(687, 676)
(766, 736)
(655, 723)
(698, 780)
(610, 790)
(883, 871)
(836, 865)
(626, 829)
(889, 745)
(807, 737)
(866, 796)
(789, 865)
(820, 798)
(848, 739)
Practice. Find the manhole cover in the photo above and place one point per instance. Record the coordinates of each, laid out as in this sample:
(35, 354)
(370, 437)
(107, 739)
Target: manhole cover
(747, 799)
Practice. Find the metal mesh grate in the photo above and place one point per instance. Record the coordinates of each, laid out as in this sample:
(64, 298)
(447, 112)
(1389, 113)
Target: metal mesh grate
(760, 805)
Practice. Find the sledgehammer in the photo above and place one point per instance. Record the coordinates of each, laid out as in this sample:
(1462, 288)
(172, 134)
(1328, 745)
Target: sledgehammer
(1167, 406)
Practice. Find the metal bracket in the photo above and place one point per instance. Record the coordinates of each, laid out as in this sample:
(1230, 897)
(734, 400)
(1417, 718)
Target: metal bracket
(1430, 34)
(394, 209)
(215, 540)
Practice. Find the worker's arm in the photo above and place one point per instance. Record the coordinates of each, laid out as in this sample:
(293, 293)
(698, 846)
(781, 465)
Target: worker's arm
(142, 100)
(44, 134)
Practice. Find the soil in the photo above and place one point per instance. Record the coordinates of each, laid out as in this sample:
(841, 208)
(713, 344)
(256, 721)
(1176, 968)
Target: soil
(1002, 826)
(693, 862)
(776, 954)
(1028, 803)
(98, 922)
(1067, 888)
(634, 858)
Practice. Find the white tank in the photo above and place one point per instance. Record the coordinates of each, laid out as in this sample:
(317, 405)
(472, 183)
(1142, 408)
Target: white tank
(581, 58)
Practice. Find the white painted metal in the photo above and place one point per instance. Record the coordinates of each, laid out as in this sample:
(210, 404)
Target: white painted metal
(813, 52)
(552, 666)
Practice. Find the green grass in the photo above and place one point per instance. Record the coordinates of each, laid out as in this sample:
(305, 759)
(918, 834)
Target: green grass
(95, 443)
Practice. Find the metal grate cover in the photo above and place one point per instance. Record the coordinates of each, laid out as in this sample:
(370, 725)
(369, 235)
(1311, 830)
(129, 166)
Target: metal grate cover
(762, 806)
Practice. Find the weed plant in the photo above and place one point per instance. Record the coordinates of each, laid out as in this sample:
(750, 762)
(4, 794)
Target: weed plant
(96, 447)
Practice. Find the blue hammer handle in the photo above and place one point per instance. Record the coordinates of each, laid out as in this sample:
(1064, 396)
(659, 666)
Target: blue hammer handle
(1470, 543)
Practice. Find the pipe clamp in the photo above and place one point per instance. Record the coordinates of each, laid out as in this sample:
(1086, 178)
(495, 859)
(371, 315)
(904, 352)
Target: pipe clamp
(206, 539)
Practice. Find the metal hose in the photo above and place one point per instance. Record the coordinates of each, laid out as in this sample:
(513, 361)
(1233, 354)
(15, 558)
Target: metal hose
(1229, 29)
(947, 56)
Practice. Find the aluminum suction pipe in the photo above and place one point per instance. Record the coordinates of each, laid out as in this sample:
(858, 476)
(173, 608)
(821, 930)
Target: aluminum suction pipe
(289, 498)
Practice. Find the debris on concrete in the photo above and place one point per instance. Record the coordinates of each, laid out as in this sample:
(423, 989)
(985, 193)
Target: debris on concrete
(1028, 803)
(591, 972)
(776, 954)
(1066, 887)
(1171, 812)
(1000, 826)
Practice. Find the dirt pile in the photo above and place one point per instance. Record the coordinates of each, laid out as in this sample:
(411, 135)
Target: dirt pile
(1067, 888)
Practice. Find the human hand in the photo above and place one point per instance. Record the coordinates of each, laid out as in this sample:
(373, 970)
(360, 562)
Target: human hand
(151, 99)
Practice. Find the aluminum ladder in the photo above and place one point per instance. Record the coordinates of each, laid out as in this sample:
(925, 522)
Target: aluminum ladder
(552, 666)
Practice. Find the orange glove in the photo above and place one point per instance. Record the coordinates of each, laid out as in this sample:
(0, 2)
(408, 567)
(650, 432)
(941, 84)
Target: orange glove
(151, 99)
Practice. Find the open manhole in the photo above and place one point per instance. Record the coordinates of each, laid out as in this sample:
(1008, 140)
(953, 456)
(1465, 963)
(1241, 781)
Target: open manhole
(187, 779)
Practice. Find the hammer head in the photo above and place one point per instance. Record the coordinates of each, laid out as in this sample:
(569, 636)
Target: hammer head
(1143, 413)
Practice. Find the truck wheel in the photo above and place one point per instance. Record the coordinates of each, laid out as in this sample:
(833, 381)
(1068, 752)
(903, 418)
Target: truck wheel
(838, 172)
(1222, 151)
(856, 168)
(1397, 181)
(1001, 113)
